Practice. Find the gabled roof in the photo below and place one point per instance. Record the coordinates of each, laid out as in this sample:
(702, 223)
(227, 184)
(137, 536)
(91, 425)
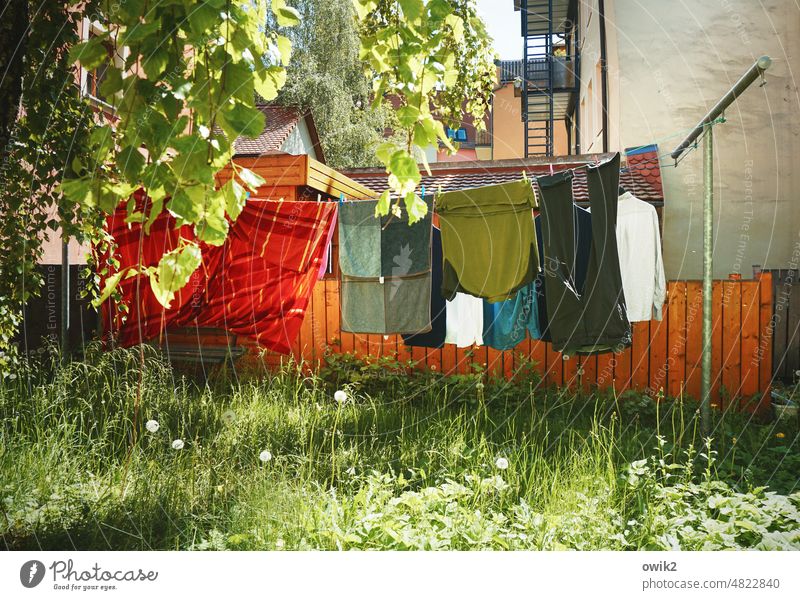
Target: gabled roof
(451, 176)
(281, 121)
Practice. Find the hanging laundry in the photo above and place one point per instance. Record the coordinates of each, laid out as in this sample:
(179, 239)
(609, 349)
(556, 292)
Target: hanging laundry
(641, 263)
(505, 324)
(582, 244)
(147, 319)
(326, 257)
(595, 319)
(488, 240)
(257, 284)
(386, 270)
(263, 280)
(464, 321)
(435, 337)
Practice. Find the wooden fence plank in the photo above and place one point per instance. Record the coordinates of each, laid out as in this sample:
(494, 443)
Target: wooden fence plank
(751, 307)
(766, 325)
(676, 339)
(663, 355)
(731, 341)
(332, 313)
(658, 353)
(494, 366)
(555, 366)
(319, 324)
(792, 358)
(694, 338)
(640, 355)
(448, 359)
(622, 370)
(604, 377)
(588, 372)
(780, 300)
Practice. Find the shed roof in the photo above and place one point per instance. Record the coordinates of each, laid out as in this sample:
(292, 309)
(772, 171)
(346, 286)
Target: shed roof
(280, 122)
(642, 176)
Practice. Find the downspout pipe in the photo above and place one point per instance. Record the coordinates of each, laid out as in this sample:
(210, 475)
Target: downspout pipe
(757, 70)
(601, 13)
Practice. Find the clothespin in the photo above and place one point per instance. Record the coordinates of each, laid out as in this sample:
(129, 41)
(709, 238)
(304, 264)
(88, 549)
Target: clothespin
(551, 169)
(524, 175)
(423, 191)
(341, 198)
(319, 197)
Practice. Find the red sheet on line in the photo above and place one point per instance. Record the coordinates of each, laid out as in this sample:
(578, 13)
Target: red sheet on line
(257, 284)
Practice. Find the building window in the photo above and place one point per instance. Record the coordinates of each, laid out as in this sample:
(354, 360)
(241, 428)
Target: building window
(91, 81)
(459, 135)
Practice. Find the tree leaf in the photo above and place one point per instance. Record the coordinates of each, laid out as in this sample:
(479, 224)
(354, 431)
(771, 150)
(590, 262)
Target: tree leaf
(382, 207)
(284, 48)
(268, 81)
(412, 9)
(416, 207)
(174, 271)
(251, 179)
(89, 54)
(235, 198)
(407, 115)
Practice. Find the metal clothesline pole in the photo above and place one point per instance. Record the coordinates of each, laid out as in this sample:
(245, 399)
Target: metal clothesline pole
(705, 127)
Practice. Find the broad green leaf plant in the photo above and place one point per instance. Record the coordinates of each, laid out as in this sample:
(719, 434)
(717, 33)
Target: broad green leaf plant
(182, 87)
(435, 58)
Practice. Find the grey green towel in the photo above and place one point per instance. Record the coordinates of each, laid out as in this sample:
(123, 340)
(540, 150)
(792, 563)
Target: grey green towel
(385, 268)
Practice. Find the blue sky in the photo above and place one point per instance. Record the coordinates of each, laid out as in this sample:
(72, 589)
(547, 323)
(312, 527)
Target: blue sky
(503, 23)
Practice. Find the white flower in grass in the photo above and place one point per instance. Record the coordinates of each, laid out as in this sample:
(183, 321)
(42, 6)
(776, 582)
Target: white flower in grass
(501, 463)
(177, 444)
(265, 456)
(228, 417)
(152, 426)
(279, 544)
(340, 396)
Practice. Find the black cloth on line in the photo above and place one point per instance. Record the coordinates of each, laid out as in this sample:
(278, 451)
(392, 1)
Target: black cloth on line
(583, 244)
(592, 319)
(435, 337)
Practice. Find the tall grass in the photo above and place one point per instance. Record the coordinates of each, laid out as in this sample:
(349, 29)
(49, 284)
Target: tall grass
(408, 461)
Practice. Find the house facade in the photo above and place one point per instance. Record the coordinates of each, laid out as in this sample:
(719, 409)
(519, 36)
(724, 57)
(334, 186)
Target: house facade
(647, 72)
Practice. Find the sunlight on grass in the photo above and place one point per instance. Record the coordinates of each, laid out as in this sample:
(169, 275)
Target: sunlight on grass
(398, 461)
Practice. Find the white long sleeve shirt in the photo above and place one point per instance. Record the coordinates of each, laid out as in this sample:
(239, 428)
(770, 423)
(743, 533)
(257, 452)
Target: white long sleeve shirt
(464, 323)
(640, 260)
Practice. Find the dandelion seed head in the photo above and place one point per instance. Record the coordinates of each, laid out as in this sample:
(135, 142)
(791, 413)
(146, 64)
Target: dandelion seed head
(501, 463)
(228, 417)
(340, 396)
(177, 444)
(152, 426)
(265, 456)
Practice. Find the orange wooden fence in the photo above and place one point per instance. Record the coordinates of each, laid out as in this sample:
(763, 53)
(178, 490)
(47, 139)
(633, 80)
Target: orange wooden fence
(665, 356)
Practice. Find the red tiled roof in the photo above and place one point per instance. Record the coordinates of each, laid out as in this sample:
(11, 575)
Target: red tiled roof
(281, 120)
(643, 174)
(462, 175)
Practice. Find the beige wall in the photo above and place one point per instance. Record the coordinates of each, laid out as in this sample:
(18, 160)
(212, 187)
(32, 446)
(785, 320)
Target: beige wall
(668, 64)
(509, 130)
(507, 127)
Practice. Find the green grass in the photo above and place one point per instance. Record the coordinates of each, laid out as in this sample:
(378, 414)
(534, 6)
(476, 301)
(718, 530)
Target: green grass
(410, 461)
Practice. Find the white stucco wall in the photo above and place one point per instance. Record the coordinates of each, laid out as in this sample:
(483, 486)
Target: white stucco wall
(299, 141)
(668, 63)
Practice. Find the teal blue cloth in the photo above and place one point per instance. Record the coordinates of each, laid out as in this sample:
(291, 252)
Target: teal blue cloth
(506, 323)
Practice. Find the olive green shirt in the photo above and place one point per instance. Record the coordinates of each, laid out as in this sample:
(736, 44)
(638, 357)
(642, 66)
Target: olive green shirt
(488, 240)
